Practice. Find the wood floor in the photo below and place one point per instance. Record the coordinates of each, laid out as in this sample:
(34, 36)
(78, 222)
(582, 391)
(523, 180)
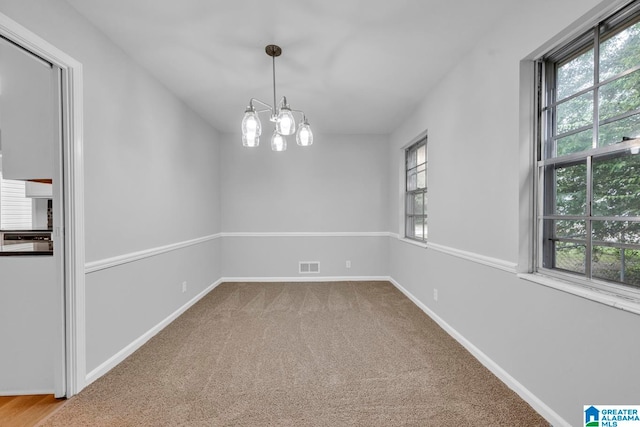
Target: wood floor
(26, 411)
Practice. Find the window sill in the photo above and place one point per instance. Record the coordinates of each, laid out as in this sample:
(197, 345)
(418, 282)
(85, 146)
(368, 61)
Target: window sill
(593, 293)
(413, 242)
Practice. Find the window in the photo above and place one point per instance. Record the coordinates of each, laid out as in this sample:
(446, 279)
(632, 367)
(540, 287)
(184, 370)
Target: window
(588, 154)
(416, 191)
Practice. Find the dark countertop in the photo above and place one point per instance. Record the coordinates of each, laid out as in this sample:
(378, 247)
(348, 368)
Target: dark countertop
(26, 247)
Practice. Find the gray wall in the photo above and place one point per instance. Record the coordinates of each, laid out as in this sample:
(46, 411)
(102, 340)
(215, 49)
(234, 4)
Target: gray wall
(331, 196)
(555, 344)
(277, 257)
(337, 184)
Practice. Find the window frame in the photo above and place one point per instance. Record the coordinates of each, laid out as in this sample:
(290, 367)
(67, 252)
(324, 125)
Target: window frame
(545, 155)
(409, 194)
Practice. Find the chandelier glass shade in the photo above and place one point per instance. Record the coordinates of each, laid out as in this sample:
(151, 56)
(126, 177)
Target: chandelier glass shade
(304, 136)
(278, 141)
(251, 128)
(280, 113)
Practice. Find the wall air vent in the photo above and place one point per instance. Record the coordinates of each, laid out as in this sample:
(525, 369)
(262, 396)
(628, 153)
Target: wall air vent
(309, 267)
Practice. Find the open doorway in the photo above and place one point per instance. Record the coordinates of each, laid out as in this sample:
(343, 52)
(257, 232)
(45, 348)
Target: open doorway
(50, 295)
(31, 254)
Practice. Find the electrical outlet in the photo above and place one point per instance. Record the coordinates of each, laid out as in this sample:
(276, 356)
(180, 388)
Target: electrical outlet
(435, 295)
(184, 287)
(348, 264)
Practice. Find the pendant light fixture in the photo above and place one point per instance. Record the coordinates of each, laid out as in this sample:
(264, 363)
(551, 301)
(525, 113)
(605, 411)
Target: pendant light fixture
(281, 115)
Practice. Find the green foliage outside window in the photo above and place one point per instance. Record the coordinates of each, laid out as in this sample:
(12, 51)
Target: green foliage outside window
(612, 98)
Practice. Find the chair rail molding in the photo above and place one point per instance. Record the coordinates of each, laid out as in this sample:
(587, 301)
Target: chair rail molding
(93, 266)
(500, 264)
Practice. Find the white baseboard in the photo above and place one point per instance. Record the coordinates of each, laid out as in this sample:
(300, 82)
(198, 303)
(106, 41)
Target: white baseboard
(306, 234)
(537, 404)
(139, 342)
(307, 278)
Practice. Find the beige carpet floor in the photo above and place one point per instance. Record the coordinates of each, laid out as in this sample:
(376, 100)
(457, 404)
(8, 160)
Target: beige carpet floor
(299, 354)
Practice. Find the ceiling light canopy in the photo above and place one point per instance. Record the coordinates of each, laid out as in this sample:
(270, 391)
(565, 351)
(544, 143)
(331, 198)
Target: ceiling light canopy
(281, 114)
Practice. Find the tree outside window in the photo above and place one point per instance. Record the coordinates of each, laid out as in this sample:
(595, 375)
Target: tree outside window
(588, 161)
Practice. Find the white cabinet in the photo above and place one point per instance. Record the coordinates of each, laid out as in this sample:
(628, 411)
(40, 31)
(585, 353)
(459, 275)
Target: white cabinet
(38, 190)
(28, 110)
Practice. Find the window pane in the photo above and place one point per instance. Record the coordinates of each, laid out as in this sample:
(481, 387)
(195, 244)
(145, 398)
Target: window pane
(412, 182)
(616, 264)
(420, 227)
(416, 227)
(415, 203)
(614, 232)
(616, 186)
(575, 75)
(422, 154)
(613, 133)
(421, 180)
(570, 256)
(571, 190)
(620, 52)
(409, 226)
(575, 113)
(425, 234)
(619, 96)
(570, 229)
(411, 158)
(567, 240)
(574, 143)
(611, 261)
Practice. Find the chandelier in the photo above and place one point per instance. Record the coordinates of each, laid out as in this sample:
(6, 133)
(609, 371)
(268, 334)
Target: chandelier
(281, 115)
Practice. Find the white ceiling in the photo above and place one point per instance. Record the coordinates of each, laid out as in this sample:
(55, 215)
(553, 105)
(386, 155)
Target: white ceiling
(353, 66)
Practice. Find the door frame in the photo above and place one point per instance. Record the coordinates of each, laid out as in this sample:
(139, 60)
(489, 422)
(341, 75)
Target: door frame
(70, 361)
